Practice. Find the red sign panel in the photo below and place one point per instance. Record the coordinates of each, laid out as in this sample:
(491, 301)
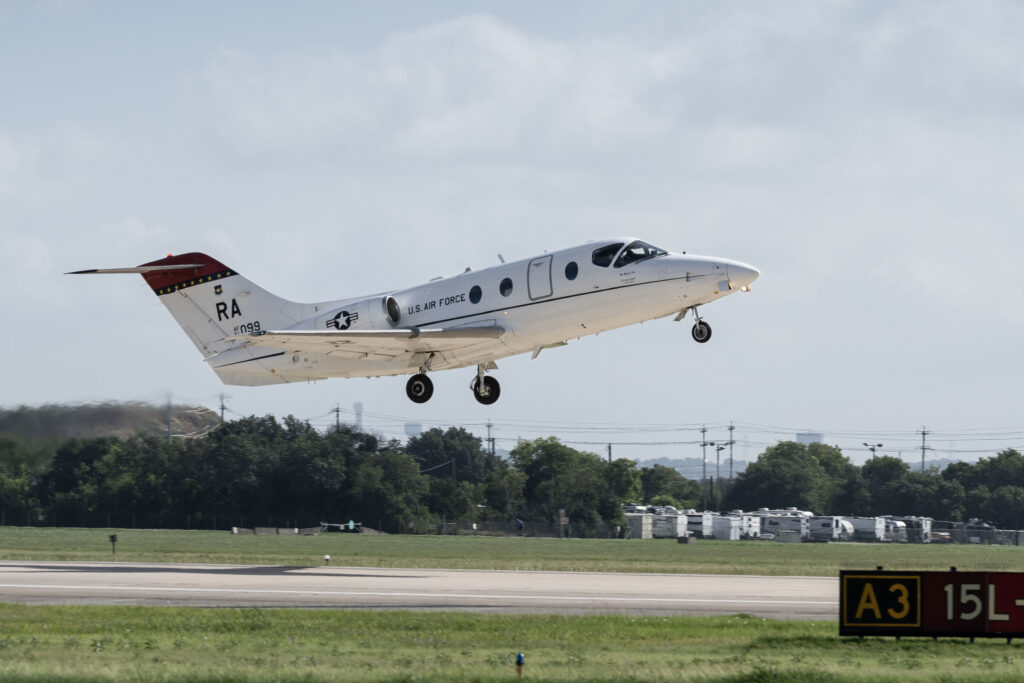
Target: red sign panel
(972, 604)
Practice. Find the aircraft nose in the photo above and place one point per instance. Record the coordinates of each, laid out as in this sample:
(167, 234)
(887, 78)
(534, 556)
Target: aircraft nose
(742, 274)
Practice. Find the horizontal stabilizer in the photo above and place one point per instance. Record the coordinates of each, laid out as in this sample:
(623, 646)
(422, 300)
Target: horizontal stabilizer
(173, 273)
(136, 269)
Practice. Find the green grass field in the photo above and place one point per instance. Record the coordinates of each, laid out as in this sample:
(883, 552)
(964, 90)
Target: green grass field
(106, 643)
(484, 552)
(179, 644)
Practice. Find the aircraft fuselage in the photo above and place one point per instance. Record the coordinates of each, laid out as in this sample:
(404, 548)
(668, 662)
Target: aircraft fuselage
(250, 336)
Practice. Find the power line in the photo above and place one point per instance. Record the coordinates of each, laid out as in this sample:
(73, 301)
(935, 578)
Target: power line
(958, 441)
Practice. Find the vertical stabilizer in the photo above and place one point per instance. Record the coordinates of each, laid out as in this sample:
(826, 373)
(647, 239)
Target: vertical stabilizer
(211, 301)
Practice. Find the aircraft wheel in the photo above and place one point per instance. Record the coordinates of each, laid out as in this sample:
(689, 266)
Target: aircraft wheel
(701, 332)
(488, 392)
(419, 388)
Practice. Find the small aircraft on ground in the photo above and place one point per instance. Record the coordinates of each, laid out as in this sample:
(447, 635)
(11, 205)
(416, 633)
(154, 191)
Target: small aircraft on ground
(252, 337)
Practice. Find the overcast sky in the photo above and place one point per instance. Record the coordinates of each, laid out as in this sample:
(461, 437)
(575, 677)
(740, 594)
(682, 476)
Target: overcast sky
(868, 157)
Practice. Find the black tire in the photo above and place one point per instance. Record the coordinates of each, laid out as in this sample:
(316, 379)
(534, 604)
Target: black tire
(492, 388)
(419, 388)
(701, 332)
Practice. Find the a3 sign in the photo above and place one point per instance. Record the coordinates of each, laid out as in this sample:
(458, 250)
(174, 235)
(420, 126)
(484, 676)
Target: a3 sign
(967, 604)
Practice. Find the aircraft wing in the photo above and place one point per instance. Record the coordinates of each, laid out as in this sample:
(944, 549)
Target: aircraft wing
(383, 342)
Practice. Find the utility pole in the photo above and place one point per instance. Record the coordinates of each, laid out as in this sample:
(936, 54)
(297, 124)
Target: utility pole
(924, 447)
(337, 417)
(490, 441)
(731, 442)
(609, 453)
(223, 407)
(704, 443)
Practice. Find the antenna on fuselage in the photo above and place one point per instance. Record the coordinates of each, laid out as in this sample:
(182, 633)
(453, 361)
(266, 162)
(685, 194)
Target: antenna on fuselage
(501, 258)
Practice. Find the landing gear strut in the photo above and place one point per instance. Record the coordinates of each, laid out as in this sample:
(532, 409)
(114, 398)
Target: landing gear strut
(419, 388)
(485, 389)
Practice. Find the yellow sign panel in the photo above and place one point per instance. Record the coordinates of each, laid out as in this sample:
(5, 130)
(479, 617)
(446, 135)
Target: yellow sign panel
(882, 600)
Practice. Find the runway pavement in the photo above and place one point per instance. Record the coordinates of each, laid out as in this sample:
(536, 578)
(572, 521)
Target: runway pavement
(108, 583)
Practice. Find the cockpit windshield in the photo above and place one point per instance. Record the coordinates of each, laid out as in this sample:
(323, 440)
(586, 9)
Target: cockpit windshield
(638, 251)
(604, 256)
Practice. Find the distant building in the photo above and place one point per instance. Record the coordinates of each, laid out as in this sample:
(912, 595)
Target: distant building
(413, 429)
(357, 408)
(807, 438)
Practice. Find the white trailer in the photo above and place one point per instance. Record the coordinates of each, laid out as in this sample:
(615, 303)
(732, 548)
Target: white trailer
(775, 524)
(639, 526)
(750, 526)
(919, 529)
(869, 529)
(895, 530)
(750, 522)
(699, 524)
(668, 526)
(727, 528)
(830, 529)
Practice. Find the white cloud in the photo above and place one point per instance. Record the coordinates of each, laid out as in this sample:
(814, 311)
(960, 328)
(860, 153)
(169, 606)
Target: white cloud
(472, 89)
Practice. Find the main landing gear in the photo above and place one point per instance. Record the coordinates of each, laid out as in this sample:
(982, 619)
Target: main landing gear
(486, 390)
(419, 388)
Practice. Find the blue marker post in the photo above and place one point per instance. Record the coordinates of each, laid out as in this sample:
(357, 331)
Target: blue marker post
(520, 659)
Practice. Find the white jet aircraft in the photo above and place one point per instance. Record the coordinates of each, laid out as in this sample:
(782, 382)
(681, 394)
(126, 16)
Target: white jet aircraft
(251, 337)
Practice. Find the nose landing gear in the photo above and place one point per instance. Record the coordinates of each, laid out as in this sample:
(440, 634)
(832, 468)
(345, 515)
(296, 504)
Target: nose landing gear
(701, 331)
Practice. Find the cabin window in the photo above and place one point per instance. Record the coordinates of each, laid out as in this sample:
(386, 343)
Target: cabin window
(604, 255)
(475, 293)
(505, 287)
(571, 271)
(638, 251)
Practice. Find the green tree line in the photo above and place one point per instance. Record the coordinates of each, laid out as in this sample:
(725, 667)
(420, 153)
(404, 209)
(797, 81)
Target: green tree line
(819, 478)
(259, 471)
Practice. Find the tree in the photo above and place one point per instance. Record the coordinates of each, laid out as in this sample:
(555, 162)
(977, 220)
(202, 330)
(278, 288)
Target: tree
(434, 447)
(847, 493)
(1005, 469)
(927, 494)
(1004, 507)
(561, 478)
(448, 499)
(17, 502)
(623, 479)
(69, 488)
(503, 492)
(885, 477)
(786, 474)
(990, 488)
(663, 482)
(388, 491)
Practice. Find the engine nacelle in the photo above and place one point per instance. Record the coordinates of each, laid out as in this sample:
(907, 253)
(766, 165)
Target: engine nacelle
(378, 312)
